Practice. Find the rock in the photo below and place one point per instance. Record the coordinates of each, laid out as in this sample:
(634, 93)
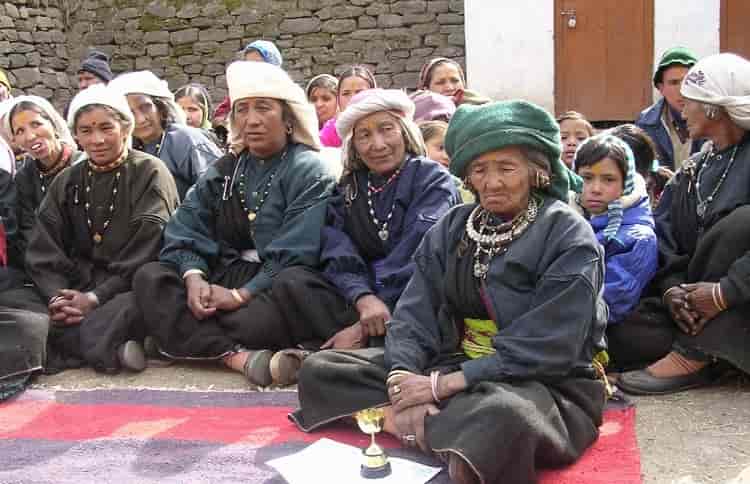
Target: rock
(406, 80)
(457, 39)
(62, 80)
(347, 12)
(235, 32)
(367, 22)
(312, 40)
(25, 37)
(377, 9)
(438, 6)
(155, 50)
(190, 10)
(318, 4)
(20, 48)
(341, 26)
(213, 69)
(300, 25)
(6, 22)
(44, 22)
(205, 47)
(186, 60)
(17, 60)
(436, 40)
(348, 45)
(419, 18)
(128, 13)
(183, 36)
(26, 77)
(411, 6)
(142, 63)
(41, 91)
(194, 68)
(217, 35)
(156, 37)
(450, 19)
(390, 20)
(11, 35)
(161, 10)
(456, 6)
(33, 59)
(11, 10)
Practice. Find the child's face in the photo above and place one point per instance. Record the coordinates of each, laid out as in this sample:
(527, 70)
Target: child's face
(602, 184)
(573, 132)
(436, 149)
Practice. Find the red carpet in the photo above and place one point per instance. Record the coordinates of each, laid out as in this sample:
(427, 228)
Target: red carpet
(174, 436)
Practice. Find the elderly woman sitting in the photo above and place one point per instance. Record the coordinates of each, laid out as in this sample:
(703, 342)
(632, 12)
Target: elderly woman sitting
(248, 217)
(703, 225)
(161, 129)
(494, 337)
(101, 220)
(388, 198)
(43, 134)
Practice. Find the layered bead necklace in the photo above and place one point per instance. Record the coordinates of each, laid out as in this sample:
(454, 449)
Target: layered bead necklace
(494, 239)
(47, 174)
(703, 205)
(382, 227)
(98, 236)
(252, 214)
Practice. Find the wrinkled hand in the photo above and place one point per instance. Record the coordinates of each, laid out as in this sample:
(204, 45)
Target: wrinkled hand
(409, 391)
(411, 422)
(373, 314)
(349, 338)
(699, 297)
(199, 297)
(222, 298)
(680, 310)
(71, 306)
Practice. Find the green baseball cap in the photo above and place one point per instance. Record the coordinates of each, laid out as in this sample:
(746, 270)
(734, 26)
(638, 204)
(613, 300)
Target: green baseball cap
(675, 56)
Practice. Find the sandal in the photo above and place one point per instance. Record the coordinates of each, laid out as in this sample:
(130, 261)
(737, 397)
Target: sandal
(285, 365)
(257, 367)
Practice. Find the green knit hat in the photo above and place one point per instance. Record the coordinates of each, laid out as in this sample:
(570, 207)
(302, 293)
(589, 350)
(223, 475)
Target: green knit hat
(475, 130)
(675, 56)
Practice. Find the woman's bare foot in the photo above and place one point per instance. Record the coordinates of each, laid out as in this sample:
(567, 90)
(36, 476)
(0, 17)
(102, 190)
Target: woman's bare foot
(674, 364)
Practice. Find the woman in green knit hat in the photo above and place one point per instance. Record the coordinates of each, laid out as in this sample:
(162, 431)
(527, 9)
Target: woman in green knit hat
(489, 360)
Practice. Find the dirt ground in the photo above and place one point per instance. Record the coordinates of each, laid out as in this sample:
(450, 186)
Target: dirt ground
(700, 436)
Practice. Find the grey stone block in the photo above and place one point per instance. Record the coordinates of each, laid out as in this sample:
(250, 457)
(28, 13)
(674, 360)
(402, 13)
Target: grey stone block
(183, 36)
(300, 25)
(26, 77)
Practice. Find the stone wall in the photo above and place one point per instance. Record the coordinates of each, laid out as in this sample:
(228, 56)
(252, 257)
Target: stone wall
(33, 48)
(191, 40)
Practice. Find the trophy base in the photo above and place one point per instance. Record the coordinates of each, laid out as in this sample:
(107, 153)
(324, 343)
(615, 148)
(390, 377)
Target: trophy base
(375, 472)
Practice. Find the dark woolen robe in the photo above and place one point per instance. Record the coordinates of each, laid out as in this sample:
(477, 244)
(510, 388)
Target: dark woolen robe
(62, 252)
(538, 390)
(712, 248)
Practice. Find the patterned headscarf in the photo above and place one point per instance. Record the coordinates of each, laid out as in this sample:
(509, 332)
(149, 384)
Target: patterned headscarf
(267, 50)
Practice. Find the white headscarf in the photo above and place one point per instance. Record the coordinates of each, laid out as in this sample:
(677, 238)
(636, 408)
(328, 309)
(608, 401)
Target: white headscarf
(393, 101)
(247, 79)
(146, 82)
(57, 121)
(104, 95)
(722, 80)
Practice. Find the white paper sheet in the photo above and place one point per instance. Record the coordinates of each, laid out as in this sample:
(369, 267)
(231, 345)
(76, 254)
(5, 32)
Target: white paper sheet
(336, 463)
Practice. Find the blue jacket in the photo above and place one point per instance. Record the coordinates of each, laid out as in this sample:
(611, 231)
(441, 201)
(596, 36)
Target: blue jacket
(650, 122)
(422, 194)
(631, 258)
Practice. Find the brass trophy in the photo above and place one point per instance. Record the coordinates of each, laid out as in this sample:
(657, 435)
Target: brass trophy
(375, 465)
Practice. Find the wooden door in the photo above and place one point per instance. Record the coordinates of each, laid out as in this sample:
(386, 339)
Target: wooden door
(604, 57)
(734, 34)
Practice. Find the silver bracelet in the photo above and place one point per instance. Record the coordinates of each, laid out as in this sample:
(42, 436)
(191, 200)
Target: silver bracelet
(434, 383)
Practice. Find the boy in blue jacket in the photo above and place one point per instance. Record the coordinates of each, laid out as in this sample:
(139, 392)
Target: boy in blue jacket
(615, 201)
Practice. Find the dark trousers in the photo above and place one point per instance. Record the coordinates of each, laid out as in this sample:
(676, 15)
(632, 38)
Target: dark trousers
(649, 333)
(300, 308)
(94, 341)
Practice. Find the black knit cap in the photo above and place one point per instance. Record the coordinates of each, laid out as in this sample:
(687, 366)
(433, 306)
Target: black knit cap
(97, 63)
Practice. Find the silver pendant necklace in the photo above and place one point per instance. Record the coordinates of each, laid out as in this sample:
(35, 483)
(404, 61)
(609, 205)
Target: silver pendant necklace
(703, 205)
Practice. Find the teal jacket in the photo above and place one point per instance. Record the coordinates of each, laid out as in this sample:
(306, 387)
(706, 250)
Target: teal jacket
(208, 234)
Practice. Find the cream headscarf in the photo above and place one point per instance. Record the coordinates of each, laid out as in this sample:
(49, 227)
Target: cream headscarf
(247, 79)
(146, 82)
(393, 101)
(104, 95)
(722, 80)
(58, 123)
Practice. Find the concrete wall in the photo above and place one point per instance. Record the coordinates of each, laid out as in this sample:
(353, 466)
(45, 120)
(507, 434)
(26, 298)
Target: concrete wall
(510, 49)
(510, 46)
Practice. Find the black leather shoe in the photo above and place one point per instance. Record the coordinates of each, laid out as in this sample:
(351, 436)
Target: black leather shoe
(131, 356)
(642, 382)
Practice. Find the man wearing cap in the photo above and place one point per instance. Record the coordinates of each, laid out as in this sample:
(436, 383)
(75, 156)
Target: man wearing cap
(663, 120)
(94, 70)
